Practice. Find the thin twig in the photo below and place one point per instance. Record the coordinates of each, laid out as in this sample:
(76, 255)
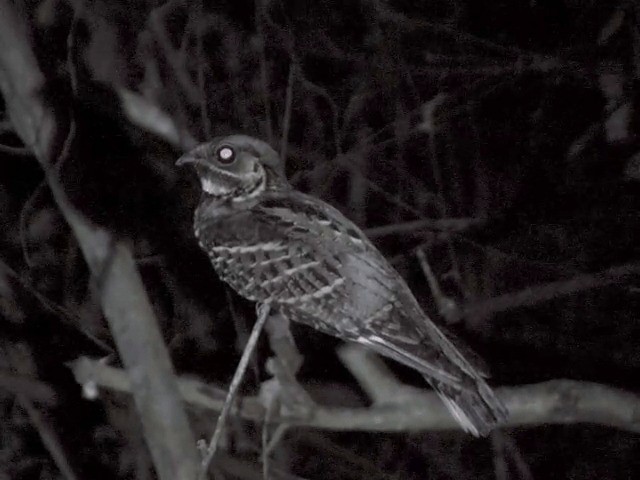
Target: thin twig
(264, 75)
(18, 151)
(152, 118)
(286, 121)
(440, 185)
(65, 316)
(385, 13)
(49, 438)
(20, 362)
(30, 388)
(452, 225)
(340, 454)
(22, 220)
(544, 292)
(175, 58)
(269, 444)
(500, 466)
(78, 11)
(263, 313)
(447, 307)
(204, 114)
(335, 111)
(521, 465)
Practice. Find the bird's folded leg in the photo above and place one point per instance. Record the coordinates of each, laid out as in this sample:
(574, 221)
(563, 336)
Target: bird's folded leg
(283, 344)
(283, 367)
(285, 395)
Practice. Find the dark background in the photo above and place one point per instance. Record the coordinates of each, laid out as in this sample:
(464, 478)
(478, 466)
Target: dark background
(518, 117)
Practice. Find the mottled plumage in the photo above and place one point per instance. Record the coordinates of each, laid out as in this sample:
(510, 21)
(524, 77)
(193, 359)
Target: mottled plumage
(272, 243)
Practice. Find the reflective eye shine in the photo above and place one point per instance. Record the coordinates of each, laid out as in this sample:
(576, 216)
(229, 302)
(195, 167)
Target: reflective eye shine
(226, 155)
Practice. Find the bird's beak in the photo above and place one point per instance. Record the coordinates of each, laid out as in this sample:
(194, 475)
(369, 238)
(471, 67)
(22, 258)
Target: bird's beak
(186, 159)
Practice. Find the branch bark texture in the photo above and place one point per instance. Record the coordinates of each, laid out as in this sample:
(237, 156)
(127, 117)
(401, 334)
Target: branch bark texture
(47, 132)
(552, 402)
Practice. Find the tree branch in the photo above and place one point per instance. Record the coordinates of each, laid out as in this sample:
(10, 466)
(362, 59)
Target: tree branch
(45, 131)
(552, 402)
(49, 438)
(449, 225)
(548, 291)
(151, 118)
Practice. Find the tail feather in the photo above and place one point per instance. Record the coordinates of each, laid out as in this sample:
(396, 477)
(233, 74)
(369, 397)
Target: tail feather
(458, 382)
(476, 407)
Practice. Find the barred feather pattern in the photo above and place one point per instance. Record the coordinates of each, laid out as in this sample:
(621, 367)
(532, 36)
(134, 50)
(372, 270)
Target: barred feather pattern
(318, 268)
(274, 244)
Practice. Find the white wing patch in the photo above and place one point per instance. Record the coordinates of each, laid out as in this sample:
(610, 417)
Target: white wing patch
(272, 261)
(321, 292)
(288, 272)
(298, 268)
(265, 247)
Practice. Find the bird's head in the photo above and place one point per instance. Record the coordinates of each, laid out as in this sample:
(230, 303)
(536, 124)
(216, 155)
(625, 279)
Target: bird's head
(236, 167)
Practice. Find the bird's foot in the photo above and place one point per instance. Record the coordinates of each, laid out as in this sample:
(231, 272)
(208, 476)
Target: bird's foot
(282, 395)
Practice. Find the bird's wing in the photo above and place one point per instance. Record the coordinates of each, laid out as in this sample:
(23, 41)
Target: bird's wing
(304, 255)
(389, 317)
(317, 267)
(308, 218)
(333, 240)
(373, 285)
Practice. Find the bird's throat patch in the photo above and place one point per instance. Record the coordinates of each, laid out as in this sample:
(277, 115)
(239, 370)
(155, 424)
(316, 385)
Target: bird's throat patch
(226, 187)
(216, 188)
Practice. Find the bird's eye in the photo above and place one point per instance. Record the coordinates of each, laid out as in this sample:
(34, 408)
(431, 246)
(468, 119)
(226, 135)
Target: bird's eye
(225, 155)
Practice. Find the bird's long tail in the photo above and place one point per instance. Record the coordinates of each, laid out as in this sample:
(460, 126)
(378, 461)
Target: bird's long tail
(474, 405)
(459, 384)
(469, 399)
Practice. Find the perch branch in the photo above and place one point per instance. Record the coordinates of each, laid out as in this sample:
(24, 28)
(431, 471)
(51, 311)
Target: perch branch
(373, 376)
(551, 402)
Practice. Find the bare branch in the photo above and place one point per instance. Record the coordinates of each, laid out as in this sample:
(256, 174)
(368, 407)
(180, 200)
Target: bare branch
(286, 120)
(123, 298)
(49, 438)
(175, 58)
(553, 402)
(151, 118)
(548, 291)
(21, 362)
(415, 226)
(17, 151)
(31, 389)
(260, 14)
(447, 308)
(372, 374)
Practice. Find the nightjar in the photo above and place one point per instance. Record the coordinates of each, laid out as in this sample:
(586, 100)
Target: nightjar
(274, 244)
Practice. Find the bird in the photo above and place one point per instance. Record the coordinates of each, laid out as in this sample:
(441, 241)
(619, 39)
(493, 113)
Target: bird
(274, 244)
